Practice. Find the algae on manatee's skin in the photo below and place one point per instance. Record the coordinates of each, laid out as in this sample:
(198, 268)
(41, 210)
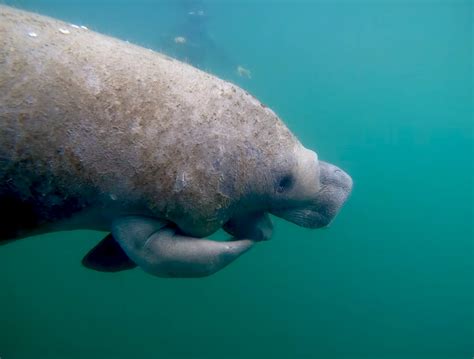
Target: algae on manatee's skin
(83, 113)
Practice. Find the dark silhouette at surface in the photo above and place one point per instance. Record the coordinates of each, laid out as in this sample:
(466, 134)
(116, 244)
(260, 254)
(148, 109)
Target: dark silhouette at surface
(192, 42)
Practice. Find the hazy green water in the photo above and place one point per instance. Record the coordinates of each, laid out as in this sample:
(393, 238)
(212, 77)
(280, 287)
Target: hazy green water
(383, 89)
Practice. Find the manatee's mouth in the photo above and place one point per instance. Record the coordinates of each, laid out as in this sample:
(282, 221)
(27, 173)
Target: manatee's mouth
(336, 185)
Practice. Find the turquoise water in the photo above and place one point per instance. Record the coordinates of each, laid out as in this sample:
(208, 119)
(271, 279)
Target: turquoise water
(382, 89)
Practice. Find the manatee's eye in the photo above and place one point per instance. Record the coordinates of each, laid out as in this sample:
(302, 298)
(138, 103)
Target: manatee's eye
(285, 183)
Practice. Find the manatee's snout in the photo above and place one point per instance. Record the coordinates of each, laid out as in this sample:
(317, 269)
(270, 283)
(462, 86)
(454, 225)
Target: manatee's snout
(335, 185)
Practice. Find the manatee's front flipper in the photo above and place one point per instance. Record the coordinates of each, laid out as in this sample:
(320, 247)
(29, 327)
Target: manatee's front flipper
(159, 250)
(256, 226)
(107, 256)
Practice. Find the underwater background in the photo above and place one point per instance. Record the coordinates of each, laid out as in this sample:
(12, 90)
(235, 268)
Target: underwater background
(383, 89)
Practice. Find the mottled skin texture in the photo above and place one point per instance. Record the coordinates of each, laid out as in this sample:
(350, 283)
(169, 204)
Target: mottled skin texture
(116, 119)
(93, 128)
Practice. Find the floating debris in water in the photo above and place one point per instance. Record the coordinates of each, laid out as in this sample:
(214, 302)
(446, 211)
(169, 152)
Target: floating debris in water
(199, 13)
(74, 26)
(32, 34)
(64, 31)
(180, 40)
(243, 72)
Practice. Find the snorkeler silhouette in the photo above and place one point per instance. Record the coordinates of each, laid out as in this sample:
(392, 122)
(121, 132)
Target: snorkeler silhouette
(192, 42)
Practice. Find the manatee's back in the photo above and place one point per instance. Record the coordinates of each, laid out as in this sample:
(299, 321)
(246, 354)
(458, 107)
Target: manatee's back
(85, 117)
(73, 109)
(42, 176)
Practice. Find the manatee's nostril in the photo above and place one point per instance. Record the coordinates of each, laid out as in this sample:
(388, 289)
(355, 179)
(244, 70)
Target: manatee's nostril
(337, 177)
(346, 180)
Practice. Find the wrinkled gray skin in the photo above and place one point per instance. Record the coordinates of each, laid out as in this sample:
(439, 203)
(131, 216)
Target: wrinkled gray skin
(100, 134)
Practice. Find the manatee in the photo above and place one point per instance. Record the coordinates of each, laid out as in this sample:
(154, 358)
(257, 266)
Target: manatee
(97, 133)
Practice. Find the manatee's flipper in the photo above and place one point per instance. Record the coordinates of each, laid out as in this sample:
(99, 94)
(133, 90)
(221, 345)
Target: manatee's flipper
(256, 226)
(159, 250)
(107, 256)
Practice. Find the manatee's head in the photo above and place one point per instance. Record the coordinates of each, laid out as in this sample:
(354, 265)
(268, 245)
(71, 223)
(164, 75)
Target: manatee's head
(239, 163)
(307, 191)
